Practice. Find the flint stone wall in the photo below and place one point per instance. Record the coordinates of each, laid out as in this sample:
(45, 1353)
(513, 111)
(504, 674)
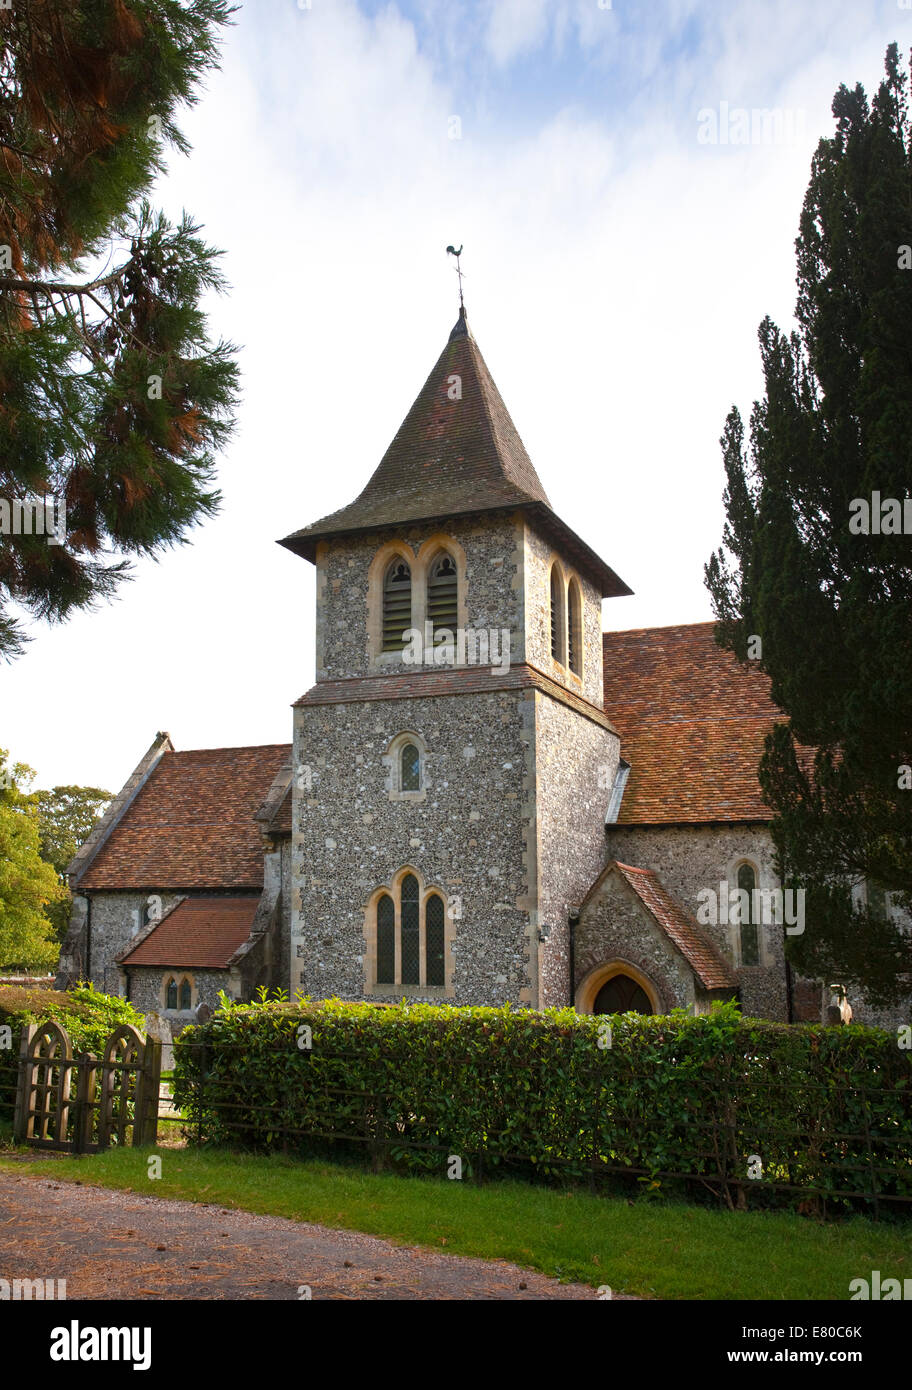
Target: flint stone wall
(467, 837)
(615, 925)
(576, 764)
(689, 859)
(113, 927)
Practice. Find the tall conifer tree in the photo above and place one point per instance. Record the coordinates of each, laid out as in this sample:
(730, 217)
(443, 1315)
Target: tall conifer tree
(112, 398)
(831, 602)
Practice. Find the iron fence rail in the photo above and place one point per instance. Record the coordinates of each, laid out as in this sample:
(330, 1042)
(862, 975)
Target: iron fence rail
(836, 1150)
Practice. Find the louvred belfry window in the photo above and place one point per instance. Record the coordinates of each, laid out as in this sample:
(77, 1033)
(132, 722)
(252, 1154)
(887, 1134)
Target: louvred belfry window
(442, 606)
(557, 615)
(397, 605)
(574, 630)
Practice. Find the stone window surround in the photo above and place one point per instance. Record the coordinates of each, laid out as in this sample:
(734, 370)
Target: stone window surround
(420, 565)
(561, 669)
(373, 990)
(589, 986)
(179, 977)
(392, 761)
(762, 883)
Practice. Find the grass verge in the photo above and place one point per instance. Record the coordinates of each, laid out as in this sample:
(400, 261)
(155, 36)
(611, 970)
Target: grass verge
(657, 1249)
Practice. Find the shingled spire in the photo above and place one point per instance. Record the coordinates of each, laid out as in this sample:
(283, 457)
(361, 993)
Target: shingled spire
(456, 452)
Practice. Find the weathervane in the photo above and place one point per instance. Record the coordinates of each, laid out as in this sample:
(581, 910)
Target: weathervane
(451, 251)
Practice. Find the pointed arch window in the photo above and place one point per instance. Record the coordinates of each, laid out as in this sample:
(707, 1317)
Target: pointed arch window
(434, 918)
(749, 934)
(411, 931)
(574, 629)
(557, 615)
(171, 994)
(442, 594)
(410, 928)
(386, 941)
(186, 994)
(397, 605)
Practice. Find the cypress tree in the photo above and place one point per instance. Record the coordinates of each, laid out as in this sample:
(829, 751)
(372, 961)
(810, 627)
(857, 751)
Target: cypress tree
(830, 599)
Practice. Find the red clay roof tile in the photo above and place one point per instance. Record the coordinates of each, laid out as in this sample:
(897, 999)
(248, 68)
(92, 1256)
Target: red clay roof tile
(200, 932)
(191, 826)
(708, 963)
(692, 722)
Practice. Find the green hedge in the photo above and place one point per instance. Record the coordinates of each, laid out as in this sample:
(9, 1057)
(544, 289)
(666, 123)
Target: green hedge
(88, 1016)
(525, 1092)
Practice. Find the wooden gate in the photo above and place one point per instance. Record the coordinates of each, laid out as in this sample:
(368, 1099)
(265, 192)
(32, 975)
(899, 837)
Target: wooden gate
(79, 1103)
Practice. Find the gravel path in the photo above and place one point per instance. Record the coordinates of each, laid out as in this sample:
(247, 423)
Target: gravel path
(119, 1245)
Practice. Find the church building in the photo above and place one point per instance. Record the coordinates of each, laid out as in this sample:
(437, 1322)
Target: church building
(486, 800)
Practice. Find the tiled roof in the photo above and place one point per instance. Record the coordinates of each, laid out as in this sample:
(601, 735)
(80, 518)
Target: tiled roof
(281, 821)
(454, 452)
(200, 932)
(692, 722)
(457, 452)
(191, 825)
(707, 962)
(449, 680)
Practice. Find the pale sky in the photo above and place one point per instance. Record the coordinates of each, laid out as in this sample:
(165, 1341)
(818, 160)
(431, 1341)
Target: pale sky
(617, 269)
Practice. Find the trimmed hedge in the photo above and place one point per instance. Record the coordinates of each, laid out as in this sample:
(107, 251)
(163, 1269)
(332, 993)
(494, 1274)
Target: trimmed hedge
(694, 1103)
(88, 1016)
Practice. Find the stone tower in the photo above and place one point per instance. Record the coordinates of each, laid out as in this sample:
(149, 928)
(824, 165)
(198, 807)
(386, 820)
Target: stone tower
(453, 761)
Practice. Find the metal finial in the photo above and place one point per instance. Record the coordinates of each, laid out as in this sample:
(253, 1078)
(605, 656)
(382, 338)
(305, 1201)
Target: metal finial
(451, 251)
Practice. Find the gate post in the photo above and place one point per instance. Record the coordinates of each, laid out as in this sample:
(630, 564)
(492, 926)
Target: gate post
(24, 1086)
(148, 1087)
(85, 1096)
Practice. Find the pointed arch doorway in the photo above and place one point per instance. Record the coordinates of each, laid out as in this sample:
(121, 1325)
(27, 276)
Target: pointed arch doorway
(617, 987)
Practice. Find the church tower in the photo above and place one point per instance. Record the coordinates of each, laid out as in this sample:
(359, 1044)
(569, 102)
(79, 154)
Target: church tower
(453, 762)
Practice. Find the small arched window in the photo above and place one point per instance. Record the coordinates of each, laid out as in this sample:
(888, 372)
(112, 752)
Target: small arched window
(186, 994)
(574, 629)
(171, 994)
(386, 941)
(397, 605)
(557, 615)
(442, 593)
(410, 769)
(750, 937)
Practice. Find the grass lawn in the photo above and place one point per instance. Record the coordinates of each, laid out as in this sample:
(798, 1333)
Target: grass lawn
(655, 1249)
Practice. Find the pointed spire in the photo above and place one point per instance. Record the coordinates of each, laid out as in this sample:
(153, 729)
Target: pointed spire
(456, 452)
(460, 328)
